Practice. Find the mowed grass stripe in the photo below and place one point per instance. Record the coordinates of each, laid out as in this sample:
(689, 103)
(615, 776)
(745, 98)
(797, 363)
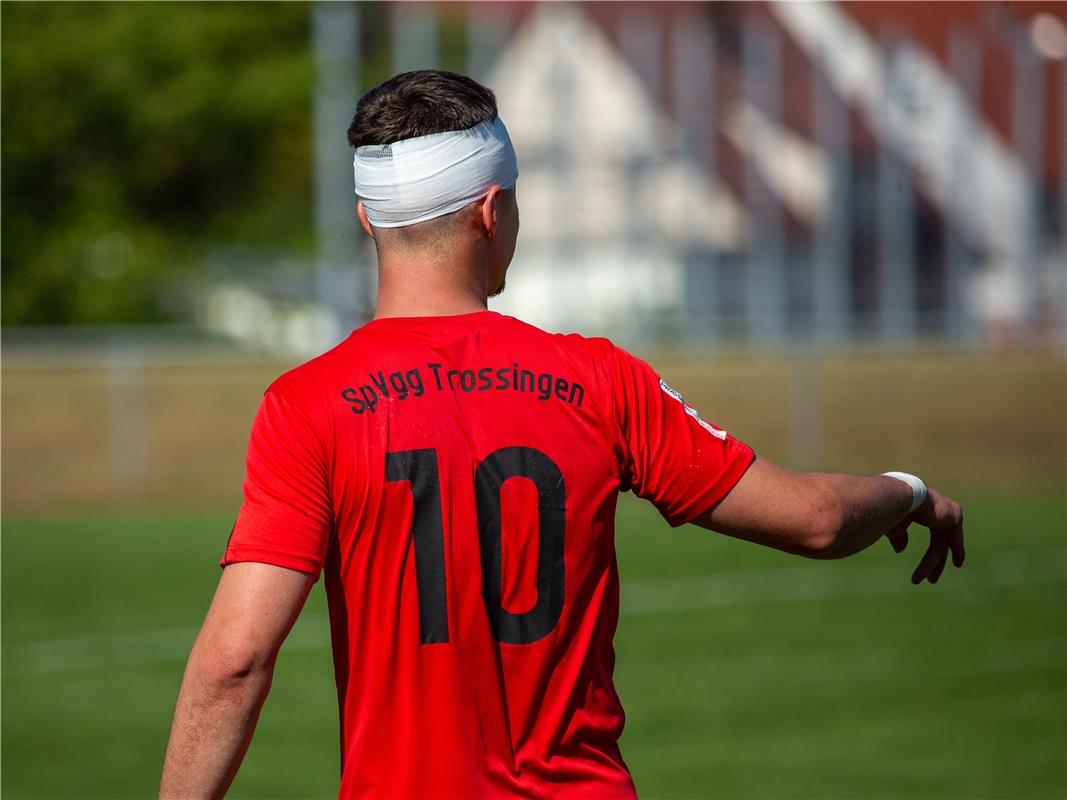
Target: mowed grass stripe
(649, 597)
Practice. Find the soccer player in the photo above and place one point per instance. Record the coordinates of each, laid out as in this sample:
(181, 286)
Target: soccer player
(452, 473)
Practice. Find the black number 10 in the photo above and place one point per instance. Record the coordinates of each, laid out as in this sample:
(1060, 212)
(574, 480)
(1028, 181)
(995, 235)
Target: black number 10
(420, 468)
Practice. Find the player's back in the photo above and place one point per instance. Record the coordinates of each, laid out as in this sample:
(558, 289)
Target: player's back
(456, 477)
(476, 560)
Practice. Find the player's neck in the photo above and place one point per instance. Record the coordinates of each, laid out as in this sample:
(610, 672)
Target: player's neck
(421, 286)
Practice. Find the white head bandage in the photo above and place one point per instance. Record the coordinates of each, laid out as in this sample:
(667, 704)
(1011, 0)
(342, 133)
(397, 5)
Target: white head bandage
(417, 179)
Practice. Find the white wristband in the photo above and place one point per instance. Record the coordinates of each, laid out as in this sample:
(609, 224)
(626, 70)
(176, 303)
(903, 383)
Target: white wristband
(918, 488)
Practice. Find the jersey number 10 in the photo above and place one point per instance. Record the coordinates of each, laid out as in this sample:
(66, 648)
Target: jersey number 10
(420, 468)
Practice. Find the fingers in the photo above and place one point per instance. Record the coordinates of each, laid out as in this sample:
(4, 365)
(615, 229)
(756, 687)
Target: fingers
(935, 574)
(944, 517)
(898, 537)
(955, 544)
(934, 553)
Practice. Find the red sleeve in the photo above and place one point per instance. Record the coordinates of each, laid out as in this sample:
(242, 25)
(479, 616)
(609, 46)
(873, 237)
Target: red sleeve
(671, 457)
(286, 516)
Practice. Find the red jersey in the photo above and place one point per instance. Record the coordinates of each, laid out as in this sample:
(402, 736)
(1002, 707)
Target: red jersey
(455, 479)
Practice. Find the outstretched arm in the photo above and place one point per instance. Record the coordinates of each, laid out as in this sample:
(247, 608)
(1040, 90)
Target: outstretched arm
(228, 676)
(831, 515)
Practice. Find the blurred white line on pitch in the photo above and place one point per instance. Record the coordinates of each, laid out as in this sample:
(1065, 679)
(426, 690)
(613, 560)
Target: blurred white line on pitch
(832, 579)
(807, 581)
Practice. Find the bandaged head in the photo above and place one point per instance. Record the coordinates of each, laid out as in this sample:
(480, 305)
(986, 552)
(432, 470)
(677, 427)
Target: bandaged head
(418, 179)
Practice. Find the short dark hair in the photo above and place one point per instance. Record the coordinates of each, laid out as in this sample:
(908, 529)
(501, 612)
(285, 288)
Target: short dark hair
(419, 103)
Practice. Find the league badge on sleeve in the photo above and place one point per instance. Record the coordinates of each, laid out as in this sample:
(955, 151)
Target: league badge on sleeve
(718, 433)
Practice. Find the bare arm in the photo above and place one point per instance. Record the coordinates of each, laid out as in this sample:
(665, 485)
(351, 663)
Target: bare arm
(831, 515)
(228, 676)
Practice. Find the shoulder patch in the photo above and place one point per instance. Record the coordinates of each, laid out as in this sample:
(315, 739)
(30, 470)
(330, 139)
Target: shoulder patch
(718, 433)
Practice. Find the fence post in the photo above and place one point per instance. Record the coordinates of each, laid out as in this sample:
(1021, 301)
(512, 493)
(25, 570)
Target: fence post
(1028, 123)
(485, 39)
(805, 407)
(335, 40)
(765, 273)
(832, 128)
(694, 96)
(639, 39)
(127, 409)
(414, 38)
(896, 216)
(566, 237)
(1063, 196)
(965, 65)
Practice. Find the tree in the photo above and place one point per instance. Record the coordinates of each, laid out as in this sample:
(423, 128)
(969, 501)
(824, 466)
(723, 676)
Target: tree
(137, 138)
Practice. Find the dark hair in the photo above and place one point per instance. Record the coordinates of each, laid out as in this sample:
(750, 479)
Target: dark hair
(420, 103)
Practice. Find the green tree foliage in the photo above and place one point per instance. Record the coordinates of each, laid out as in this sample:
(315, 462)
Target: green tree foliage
(137, 137)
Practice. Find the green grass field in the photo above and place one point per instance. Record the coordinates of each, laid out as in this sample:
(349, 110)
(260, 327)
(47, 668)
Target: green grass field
(745, 673)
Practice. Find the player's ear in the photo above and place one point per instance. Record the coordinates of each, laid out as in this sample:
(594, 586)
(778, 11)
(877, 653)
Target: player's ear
(489, 211)
(362, 213)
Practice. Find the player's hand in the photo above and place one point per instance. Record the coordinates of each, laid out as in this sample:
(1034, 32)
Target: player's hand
(944, 517)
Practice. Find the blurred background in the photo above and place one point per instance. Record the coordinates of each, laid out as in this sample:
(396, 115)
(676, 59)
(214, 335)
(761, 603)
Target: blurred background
(839, 228)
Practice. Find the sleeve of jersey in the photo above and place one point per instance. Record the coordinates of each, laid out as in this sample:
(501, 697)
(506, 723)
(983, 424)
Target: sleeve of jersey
(286, 516)
(672, 457)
